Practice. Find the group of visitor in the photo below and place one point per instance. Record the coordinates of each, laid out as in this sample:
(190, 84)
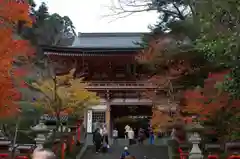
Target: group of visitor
(100, 138)
(130, 135)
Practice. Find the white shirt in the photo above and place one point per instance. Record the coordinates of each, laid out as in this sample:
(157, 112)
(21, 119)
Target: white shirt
(105, 132)
(130, 134)
(115, 133)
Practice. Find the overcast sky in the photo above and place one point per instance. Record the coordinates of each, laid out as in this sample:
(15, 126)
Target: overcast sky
(87, 16)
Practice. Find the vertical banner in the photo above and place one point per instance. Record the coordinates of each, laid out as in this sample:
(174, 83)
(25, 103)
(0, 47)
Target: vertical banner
(89, 121)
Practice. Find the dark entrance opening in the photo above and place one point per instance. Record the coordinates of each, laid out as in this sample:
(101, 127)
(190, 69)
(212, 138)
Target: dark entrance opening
(134, 116)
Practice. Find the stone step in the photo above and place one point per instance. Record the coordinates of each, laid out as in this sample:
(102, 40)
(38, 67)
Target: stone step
(139, 151)
(124, 142)
(159, 142)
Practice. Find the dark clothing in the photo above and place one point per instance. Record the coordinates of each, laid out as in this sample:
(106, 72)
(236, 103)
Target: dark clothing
(124, 154)
(97, 137)
(98, 146)
(115, 140)
(97, 140)
(131, 141)
(140, 141)
(141, 135)
(126, 134)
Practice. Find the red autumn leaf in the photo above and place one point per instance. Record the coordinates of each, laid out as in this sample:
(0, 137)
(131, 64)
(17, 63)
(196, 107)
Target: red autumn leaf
(11, 12)
(207, 100)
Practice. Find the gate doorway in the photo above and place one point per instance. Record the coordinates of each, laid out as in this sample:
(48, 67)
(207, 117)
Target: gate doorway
(134, 116)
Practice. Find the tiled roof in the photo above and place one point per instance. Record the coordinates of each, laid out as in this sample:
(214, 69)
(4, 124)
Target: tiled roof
(108, 40)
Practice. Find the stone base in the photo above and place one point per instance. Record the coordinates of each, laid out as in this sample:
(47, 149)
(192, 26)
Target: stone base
(195, 156)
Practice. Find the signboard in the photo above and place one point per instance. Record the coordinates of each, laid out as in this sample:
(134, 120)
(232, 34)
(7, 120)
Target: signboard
(89, 121)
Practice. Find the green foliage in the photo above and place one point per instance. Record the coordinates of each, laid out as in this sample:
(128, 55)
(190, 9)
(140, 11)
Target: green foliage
(170, 11)
(49, 29)
(219, 39)
(225, 123)
(212, 26)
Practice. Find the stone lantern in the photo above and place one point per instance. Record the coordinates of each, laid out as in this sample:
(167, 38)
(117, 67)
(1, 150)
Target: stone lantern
(41, 130)
(194, 137)
(64, 129)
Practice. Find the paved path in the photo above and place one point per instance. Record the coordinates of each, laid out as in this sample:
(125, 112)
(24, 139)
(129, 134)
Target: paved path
(139, 151)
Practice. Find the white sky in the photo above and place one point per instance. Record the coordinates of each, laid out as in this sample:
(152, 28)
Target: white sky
(87, 16)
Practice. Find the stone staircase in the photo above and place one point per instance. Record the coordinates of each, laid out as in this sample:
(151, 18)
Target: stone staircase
(139, 151)
(157, 142)
(124, 142)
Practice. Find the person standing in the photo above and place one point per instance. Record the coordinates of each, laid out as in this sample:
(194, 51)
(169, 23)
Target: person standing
(105, 135)
(141, 136)
(97, 139)
(115, 136)
(151, 136)
(127, 127)
(131, 136)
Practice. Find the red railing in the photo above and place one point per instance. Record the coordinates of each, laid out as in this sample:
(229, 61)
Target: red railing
(183, 155)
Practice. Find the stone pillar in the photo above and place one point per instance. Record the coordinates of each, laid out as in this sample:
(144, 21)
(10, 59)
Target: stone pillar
(195, 152)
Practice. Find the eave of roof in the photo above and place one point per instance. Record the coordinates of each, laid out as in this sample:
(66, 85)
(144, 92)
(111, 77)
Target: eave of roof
(60, 49)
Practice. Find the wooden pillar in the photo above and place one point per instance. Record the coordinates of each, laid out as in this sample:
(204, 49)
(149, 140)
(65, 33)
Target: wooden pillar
(108, 113)
(109, 71)
(134, 70)
(108, 117)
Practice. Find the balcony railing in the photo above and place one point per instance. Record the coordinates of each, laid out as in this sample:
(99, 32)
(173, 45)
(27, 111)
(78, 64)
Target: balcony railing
(121, 85)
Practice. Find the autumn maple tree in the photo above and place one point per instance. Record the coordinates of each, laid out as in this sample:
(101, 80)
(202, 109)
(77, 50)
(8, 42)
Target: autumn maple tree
(160, 120)
(214, 106)
(168, 65)
(13, 14)
(62, 95)
(207, 100)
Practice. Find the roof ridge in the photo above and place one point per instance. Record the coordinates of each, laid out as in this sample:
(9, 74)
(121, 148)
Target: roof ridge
(111, 34)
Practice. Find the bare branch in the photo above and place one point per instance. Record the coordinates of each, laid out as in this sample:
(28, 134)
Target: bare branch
(124, 8)
(180, 13)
